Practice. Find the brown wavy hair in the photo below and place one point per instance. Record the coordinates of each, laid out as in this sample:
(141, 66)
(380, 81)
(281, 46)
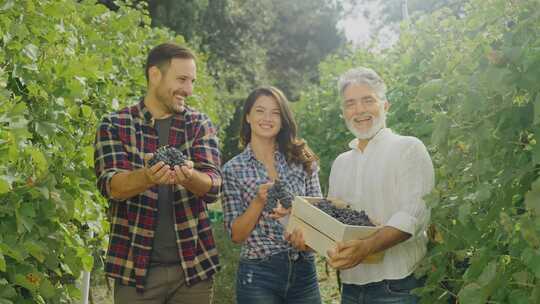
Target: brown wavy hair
(295, 149)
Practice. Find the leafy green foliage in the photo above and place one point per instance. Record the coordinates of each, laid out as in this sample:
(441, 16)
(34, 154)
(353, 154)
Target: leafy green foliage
(254, 42)
(63, 64)
(393, 9)
(183, 17)
(467, 85)
(302, 34)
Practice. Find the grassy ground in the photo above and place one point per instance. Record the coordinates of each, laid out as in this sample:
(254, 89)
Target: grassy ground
(226, 278)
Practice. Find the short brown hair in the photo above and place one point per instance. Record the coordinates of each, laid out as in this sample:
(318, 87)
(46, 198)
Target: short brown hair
(161, 55)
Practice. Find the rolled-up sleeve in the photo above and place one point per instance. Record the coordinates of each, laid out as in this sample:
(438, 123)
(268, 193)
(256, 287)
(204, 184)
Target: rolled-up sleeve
(206, 157)
(109, 156)
(416, 179)
(232, 198)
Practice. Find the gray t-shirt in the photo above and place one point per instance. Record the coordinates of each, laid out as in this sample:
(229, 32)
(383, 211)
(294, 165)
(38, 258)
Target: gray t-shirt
(164, 249)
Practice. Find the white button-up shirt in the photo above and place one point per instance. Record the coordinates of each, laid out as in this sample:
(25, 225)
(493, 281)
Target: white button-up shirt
(387, 180)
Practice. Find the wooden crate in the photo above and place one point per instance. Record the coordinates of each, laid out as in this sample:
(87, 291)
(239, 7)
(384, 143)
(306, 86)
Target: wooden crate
(321, 231)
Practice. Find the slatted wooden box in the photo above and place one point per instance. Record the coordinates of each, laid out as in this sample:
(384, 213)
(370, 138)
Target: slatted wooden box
(321, 231)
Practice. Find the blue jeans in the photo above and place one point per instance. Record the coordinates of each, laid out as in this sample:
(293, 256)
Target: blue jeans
(278, 279)
(384, 292)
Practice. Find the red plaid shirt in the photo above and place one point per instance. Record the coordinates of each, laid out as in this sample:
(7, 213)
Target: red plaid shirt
(122, 139)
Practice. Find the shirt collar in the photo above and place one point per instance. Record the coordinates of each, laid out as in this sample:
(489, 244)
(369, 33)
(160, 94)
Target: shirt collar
(249, 155)
(147, 117)
(144, 113)
(381, 135)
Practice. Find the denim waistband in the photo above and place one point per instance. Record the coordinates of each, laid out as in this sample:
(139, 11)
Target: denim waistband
(287, 255)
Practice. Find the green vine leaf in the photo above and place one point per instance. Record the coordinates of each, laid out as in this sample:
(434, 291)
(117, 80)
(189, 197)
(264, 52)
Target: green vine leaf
(473, 293)
(532, 198)
(2, 262)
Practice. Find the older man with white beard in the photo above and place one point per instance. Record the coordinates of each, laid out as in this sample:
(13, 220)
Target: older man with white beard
(386, 175)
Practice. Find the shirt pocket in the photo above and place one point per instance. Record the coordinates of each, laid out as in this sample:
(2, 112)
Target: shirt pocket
(295, 183)
(250, 187)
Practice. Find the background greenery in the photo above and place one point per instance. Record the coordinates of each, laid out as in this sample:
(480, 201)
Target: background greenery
(63, 64)
(463, 77)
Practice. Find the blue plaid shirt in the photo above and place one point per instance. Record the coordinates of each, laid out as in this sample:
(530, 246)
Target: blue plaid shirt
(242, 177)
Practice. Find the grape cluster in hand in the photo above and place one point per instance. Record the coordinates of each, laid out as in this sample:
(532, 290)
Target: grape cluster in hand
(278, 192)
(346, 215)
(169, 155)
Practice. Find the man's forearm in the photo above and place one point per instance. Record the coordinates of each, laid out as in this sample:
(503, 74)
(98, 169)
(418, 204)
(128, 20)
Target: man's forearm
(243, 225)
(199, 184)
(125, 185)
(387, 237)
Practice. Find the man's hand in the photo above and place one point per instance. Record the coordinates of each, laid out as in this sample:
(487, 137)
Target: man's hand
(348, 254)
(158, 174)
(183, 173)
(351, 253)
(296, 238)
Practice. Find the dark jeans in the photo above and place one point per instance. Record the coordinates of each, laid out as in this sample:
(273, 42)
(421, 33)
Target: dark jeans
(278, 279)
(384, 292)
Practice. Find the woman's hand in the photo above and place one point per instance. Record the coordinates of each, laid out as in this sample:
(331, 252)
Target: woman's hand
(280, 212)
(262, 194)
(296, 238)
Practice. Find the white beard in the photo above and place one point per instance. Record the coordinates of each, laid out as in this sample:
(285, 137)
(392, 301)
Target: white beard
(378, 124)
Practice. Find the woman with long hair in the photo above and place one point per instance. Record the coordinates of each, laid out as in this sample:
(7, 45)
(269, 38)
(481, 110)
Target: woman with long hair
(270, 270)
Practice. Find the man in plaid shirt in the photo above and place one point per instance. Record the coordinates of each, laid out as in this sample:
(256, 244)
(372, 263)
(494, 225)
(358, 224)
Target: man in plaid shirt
(161, 247)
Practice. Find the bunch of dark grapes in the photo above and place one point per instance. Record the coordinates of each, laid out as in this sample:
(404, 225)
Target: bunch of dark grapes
(169, 155)
(278, 193)
(346, 215)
